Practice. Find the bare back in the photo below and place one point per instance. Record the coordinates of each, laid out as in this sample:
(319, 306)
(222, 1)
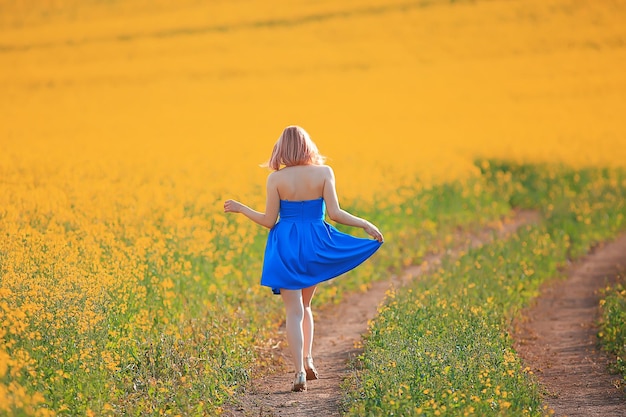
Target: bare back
(301, 182)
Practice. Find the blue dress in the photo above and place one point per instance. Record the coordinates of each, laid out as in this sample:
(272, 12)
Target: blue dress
(303, 250)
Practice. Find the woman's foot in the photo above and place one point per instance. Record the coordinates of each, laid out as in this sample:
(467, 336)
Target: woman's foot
(311, 372)
(299, 384)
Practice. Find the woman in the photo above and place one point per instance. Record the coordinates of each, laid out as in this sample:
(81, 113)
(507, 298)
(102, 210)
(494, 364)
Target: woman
(302, 249)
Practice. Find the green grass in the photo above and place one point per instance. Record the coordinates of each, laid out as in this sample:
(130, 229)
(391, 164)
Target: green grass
(442, 346)
(613, 326)
(182, 333)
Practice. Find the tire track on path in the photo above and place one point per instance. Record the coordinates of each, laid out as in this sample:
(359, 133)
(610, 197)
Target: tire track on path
(338, 331)
(180, 31)
(557, 338)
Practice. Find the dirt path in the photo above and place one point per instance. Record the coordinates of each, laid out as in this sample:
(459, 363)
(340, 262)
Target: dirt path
(556, 337)
(338, 330)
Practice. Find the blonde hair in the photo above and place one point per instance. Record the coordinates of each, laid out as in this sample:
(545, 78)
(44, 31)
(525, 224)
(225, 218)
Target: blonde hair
(294, 147)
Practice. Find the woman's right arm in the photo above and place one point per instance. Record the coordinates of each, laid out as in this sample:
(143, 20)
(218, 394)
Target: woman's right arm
(337, 214)
(272, 204)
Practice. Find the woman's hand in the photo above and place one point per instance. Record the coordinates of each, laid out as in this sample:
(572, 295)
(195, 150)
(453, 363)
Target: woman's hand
(232, 206)
(373, 231)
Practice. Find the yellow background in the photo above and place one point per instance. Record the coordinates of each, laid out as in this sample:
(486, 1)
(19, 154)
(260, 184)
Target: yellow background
(385, 88)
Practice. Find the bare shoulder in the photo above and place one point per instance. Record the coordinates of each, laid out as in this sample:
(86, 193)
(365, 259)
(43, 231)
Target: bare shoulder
(326, 170)
(274, 177)
(321, 172)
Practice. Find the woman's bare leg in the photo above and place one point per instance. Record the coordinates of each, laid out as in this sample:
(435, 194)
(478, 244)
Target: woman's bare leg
(308, 326)
(294, 310)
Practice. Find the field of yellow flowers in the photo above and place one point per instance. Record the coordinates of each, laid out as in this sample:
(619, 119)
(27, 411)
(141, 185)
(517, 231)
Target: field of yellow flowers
(124, 125)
